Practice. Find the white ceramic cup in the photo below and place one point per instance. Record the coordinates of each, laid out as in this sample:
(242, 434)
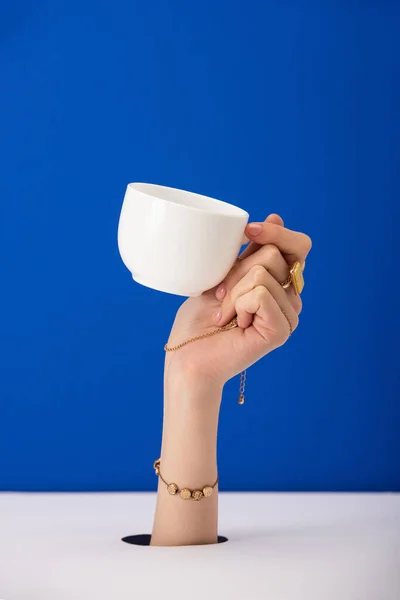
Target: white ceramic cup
(176, 241)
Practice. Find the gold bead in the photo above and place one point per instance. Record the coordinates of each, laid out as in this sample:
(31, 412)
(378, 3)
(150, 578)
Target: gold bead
(241, 399)
(197, 495)
(185, 494)
(172, 489)
(207, 491)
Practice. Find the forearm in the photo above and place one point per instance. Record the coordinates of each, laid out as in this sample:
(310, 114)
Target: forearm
(188, 458)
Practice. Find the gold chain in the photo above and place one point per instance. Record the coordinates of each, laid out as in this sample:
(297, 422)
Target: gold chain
(231, 325)
(242, 386)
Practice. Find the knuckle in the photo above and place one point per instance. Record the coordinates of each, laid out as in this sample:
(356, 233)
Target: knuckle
(257, 274)
(260, 293)
(272, 253)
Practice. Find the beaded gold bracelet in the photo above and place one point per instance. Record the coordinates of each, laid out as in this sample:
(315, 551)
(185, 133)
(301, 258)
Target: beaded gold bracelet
(185, 493)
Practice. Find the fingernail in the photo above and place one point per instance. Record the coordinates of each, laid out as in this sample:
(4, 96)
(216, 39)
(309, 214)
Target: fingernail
(217, 316)
(254, 228)
(221, 292)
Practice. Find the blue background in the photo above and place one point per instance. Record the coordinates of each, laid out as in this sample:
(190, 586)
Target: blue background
(289, 107)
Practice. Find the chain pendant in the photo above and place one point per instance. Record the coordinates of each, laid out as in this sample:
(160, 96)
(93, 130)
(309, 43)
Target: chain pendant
(242, 385)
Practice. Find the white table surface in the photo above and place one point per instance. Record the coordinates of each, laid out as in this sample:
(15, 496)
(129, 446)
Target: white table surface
(281, 547)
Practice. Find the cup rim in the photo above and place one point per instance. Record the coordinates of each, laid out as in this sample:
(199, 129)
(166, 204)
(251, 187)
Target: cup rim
(145, 188)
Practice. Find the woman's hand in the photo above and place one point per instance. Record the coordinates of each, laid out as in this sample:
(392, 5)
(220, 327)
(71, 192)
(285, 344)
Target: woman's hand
(195, 374)
(252, 291)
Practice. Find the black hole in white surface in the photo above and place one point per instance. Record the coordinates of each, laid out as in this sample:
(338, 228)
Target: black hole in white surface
(143, 539)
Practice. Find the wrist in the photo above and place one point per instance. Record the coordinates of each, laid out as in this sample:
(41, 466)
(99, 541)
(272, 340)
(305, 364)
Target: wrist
(185, 388)
(191, 410)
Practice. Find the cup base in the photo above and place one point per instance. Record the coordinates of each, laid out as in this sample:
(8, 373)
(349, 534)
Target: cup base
(168, 289)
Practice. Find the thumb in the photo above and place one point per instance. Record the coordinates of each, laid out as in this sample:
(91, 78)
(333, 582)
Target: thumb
(253, 247)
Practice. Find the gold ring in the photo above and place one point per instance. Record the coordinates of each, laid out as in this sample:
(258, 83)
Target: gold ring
(287, 283)
(289, 322)
(295, 278)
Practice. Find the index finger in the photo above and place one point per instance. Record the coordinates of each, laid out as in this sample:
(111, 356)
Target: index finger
(292, 244)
